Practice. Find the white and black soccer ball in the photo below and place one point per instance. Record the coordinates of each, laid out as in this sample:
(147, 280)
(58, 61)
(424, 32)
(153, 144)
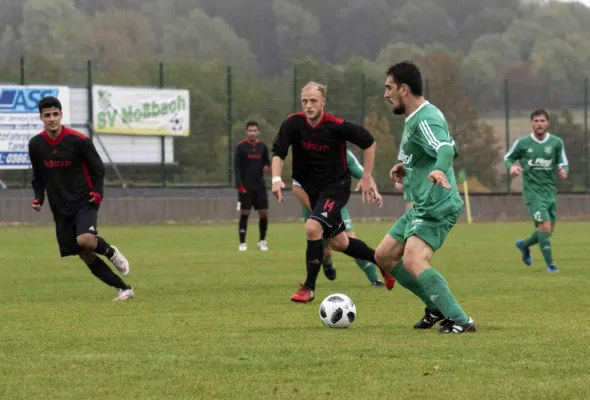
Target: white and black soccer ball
(176, 124)
(337, 311)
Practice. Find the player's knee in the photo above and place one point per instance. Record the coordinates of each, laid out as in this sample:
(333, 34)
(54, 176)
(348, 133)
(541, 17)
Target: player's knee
(245, 213)
(263, 214)
(87, 256)
(86, 242)
(313, 229)
(339, 242)
(545, 226)
(384, 259)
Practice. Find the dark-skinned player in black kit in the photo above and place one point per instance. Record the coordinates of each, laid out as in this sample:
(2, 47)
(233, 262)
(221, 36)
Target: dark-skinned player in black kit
(250, 162)
(318, 142)
(67, 166)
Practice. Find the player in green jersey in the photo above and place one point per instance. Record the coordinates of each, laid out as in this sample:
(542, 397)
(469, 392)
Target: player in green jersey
(370, 269)
(427, 157)
(540, 154)
(404, 186)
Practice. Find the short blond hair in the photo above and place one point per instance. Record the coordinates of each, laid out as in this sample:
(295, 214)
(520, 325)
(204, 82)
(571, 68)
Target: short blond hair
(323, 89)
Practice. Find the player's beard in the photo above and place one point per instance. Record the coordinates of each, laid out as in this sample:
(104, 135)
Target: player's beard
(399, 110)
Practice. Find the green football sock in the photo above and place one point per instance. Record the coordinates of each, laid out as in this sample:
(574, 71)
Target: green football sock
(369, 269)
(436, 288)
(327, 262)
(545, 245)
(403, 277)
(531, 240)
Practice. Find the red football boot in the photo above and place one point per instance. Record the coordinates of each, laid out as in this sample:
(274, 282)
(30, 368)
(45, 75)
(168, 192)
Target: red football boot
(303, 295)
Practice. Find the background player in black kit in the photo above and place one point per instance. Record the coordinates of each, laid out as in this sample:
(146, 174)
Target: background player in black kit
(251, 160)
(67, 167)
(319, 165)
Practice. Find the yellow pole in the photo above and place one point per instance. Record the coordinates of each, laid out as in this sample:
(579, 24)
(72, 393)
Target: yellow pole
(467, 203)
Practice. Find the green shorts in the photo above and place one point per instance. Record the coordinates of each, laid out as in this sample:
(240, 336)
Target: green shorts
(345, 217)
(432, 231)
(543, 211)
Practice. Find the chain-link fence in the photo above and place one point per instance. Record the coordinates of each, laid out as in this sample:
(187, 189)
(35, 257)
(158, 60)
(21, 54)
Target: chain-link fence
(223, 99)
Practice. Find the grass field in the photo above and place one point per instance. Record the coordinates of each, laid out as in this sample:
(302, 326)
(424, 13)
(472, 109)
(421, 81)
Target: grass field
(209, 323)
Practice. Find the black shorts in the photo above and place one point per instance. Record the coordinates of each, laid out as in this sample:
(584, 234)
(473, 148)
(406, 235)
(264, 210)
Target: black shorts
(257, 198)
(68, 228)
(327, 210)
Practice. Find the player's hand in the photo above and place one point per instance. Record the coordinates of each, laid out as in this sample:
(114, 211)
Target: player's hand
(36, 205)
(399, 186)
(515, 170)
(439, 178)
(241, 189)
(397, 173)
(562, 173)
(368, 189)
(277, 190)
(95, 198)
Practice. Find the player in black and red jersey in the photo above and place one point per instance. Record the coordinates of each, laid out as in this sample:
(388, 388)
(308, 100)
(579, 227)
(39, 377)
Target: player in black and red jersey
(67, 166)
(318, 142)
(250, 162)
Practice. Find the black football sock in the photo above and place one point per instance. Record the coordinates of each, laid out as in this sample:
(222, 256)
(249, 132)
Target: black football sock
(359, 250)
(243, 225)
(263, 226)
(105, 274)
(314, 256)
(103, 248)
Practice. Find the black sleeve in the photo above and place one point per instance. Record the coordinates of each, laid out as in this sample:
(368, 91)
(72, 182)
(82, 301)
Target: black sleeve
(237, 165)
(357, 135)
(265, 158)
(37, 181)
(95, 165)
(281, 142)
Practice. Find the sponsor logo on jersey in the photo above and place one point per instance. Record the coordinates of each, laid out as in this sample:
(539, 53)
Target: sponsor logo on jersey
(406, 159)
(540, 163)
(57, 163)
(307, 144)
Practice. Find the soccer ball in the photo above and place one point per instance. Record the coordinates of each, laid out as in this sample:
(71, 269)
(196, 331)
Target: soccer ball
(337, 311)
(176, 124)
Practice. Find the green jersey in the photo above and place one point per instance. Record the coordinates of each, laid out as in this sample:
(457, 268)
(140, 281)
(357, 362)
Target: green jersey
(355, 168)
(539, 160)
(425, 133)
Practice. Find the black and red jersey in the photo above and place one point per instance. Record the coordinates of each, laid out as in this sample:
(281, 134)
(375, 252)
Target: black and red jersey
(319, 153)
(249, 160)
(67, 168)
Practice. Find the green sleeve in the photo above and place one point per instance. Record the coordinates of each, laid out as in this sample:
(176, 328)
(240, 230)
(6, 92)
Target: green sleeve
(356, 169)
(513, 155)
(561, 157)
(444, 158)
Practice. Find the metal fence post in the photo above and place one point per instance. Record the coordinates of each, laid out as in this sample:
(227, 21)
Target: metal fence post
(230, 159)
(22, 71)
(507, 120)
(295, 102)
(162, 138)
(90, 98)
(587, 163)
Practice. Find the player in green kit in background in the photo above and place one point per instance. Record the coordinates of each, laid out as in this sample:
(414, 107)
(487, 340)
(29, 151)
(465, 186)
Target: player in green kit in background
(370, 269)
(427, 157)
(540, 154)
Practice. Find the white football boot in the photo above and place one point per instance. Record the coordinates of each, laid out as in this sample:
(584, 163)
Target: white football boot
(262, 245)
(120, 262)
(243, 247)
(125, 294)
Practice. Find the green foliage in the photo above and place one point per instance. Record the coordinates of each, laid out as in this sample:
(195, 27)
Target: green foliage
(572, 133)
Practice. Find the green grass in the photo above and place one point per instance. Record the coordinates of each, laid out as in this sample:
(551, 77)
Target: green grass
(209, 323)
